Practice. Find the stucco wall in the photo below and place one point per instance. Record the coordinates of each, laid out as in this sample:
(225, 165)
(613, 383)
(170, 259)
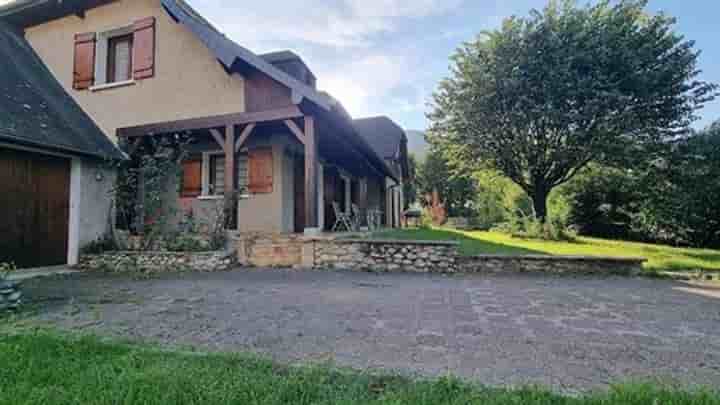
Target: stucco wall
(96, 182)
(270, 212)
(189, 82)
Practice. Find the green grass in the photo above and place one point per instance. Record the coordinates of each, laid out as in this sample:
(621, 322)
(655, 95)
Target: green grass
(44, 367)
(659, 257)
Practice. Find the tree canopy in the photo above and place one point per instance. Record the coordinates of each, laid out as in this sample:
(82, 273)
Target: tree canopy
(543, 96)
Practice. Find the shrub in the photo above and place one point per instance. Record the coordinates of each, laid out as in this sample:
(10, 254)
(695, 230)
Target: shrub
(5, 270)
(184, 242)
(98, 246)
(531, 228)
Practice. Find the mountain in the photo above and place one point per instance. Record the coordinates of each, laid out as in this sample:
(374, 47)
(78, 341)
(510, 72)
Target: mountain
(417, 144)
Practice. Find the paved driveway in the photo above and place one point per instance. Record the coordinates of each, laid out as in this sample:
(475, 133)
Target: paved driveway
(568, 333)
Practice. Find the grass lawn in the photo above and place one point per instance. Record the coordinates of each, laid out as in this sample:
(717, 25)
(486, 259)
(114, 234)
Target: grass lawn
(659, 257)
(47, 368)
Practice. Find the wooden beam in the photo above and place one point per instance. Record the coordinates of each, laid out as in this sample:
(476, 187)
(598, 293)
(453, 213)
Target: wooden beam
(311, 174)
(211, 122)
(218, 138)
(295, 129)
(244, 136)
(230, 174)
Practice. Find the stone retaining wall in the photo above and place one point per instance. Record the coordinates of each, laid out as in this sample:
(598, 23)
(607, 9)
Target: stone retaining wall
(385, 255)
(550, 264)
(158, 261)
(270, 250)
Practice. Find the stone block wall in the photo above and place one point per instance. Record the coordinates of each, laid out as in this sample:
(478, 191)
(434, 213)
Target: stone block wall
(495, 264)
(385, 255)
(158, 261)
(269, 250)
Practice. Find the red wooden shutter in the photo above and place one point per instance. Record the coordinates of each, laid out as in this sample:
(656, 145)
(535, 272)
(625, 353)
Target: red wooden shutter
(260, 171)
(144, 48)
(192, 178)
(84, 61)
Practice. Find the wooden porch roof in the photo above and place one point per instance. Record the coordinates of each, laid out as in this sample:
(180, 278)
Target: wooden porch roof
(337, 141)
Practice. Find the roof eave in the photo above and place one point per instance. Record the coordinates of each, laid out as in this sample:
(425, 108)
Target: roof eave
(28, 13)
(5, 138)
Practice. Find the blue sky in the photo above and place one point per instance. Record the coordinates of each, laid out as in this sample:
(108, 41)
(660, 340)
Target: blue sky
(387, 56)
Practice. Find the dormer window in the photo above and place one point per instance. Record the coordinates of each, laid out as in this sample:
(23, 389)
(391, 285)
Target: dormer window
(115, 57)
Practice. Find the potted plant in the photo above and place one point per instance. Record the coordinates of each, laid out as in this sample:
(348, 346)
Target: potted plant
(10, 294)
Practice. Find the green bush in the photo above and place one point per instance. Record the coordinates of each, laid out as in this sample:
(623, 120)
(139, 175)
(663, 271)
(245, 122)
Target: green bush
(98, 246)
(6, 269)
(530, 228)
(184, 242)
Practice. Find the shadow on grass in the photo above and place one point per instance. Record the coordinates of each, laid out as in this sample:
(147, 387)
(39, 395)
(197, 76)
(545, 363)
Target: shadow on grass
(468, 246)
(708, 257)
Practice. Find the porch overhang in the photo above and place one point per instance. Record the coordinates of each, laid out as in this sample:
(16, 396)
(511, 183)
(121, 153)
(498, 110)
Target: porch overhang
(216, 121)
(337, 139)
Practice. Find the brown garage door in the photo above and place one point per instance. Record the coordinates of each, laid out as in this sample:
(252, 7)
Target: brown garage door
(34, 208)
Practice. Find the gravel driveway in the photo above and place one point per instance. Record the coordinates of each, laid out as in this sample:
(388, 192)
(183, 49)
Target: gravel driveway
(567, 333)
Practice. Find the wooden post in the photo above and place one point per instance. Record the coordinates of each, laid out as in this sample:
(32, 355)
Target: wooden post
(363, 201)
(230, 174)
(311, 176)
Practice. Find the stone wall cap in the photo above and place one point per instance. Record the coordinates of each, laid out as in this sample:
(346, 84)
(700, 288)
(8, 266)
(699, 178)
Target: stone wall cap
(161, 252)
(559, 258)
(398, 242)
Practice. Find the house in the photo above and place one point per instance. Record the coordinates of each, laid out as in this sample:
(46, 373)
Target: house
(143, 68)
(55, 176)
(390, 142)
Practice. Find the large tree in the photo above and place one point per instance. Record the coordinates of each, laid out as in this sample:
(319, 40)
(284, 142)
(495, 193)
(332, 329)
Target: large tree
(545, 95)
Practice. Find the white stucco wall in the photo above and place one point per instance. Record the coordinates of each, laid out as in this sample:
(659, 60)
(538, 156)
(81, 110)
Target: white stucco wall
(91, 184)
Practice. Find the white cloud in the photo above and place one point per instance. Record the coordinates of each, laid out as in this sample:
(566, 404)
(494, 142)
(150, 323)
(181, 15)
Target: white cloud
(364, 86)
(401, 8)
(343, 42)
(344, 24)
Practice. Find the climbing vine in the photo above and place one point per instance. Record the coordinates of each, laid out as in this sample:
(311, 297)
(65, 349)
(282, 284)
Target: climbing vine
(143, 186)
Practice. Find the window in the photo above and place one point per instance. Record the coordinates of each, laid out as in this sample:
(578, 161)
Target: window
(119, 58)
(214, 178)
(115, 57)
(217, 175)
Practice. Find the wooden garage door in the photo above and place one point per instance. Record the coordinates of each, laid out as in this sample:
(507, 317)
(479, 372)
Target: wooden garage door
(34, 208)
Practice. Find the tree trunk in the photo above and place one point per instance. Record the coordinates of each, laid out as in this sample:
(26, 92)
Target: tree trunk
(539, 199)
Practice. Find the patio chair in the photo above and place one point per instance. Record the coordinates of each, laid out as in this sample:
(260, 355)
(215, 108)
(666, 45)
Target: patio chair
(343, 221)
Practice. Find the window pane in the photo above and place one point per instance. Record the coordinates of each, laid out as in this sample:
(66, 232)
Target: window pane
(122, 61)
(217, 175)
(119, 59)
(242, 168)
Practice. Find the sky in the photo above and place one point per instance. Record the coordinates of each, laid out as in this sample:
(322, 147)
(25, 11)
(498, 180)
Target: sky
(385, 57)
